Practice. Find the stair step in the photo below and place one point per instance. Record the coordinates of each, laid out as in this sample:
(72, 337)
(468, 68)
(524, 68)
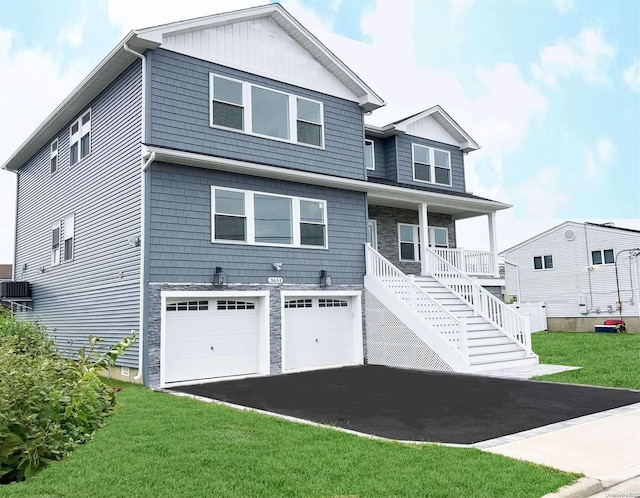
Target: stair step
(496, 357)
(474, 342)
(493, 349)
(483, 334)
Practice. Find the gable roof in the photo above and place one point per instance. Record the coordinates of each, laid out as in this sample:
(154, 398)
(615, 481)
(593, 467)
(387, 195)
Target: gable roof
(151, 38)
(574, 224)
(466, 143)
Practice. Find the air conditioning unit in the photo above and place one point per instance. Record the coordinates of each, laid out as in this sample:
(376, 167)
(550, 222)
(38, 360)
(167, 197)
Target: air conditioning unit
(15, 291)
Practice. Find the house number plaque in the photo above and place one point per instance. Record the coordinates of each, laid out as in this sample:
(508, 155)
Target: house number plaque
(275, 280)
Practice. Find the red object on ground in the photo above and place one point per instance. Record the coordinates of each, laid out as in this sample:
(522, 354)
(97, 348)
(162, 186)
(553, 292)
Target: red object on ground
(614, 322)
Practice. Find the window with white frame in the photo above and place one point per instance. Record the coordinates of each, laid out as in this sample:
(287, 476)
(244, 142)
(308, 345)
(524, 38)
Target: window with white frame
(431, 165)
(256, 110)
(372, 233)
(55, 244)
(68, 235)
(543, 262)
(369, 155)
(409, 242)
(602, 257)
(80, 138)
(54, 156)
(438, 237)
(260, 218)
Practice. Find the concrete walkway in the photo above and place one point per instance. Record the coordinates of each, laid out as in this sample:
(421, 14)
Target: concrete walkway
(605, 448)
(524, 373)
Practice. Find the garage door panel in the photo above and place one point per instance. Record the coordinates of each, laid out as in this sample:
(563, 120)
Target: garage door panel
(220, 341)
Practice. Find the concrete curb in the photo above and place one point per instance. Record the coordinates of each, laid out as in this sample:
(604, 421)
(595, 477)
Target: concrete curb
(582, 488)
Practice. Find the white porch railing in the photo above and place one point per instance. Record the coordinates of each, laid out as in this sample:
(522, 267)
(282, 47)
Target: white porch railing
(453, 329)
(469, 262)
(483, 303)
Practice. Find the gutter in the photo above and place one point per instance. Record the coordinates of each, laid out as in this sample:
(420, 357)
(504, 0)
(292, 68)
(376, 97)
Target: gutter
(143, 195)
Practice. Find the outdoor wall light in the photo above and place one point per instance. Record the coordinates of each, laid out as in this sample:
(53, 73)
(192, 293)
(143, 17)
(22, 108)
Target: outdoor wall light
(220, 278)
(277, 266)
(325, 278)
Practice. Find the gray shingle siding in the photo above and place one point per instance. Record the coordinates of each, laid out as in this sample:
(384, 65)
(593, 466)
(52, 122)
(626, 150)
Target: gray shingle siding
(179, 118)
(405, 170)
(98, 292)
(180, 247)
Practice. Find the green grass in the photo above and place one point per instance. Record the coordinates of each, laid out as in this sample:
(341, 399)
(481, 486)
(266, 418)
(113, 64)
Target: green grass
(158, 445)
(611, 360)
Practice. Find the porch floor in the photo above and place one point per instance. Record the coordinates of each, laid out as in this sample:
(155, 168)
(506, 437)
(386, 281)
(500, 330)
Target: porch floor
(415, 405)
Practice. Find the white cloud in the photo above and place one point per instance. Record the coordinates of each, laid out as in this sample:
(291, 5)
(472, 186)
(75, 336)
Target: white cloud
(460, 7)
(543, 195)
(587, 56)
(631, 75)
(73, 33)
(564, 6)
(598, 159)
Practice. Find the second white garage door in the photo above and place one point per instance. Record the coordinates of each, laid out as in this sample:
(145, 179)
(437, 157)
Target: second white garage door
(319, 332)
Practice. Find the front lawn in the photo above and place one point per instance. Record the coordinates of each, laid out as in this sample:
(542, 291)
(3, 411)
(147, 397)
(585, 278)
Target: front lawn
(611, 360)
(158, 445)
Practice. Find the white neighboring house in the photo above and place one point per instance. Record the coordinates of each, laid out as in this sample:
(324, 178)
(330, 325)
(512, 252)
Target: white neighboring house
(585, 272)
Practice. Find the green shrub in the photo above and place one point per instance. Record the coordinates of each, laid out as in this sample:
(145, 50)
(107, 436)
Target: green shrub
(48, 404)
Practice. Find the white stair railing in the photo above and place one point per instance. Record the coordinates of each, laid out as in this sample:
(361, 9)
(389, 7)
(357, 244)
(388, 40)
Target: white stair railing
(470, 262)
(453, 329)
(483, 303)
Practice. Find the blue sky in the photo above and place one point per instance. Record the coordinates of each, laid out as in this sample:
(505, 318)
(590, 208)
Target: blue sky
(549, 88)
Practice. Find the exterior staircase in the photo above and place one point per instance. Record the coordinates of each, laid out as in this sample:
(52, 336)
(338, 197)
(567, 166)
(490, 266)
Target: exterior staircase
(487, 347)
(447, 321)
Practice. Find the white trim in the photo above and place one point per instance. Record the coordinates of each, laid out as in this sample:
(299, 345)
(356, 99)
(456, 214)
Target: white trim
(387, 192)
(415, 231)
(356, 311)
(53, 261)
(544, 266)
(432, 164)
(249, 216)
(373, 153)
(374, 233)
(247, 112)
(264, 334)
(601, 251)
(76, 138)
(54, 154)
(65, 237)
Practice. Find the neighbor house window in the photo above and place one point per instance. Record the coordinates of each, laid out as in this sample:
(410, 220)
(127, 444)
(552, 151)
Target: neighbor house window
(68, 237)
(602, 257)
(409, 242)
(55, 244)
(267, 219)
(242, 106)
(227, 109)
(543, 262)
(80, 138)
(54, 156)
(369, 155)
(431, 165)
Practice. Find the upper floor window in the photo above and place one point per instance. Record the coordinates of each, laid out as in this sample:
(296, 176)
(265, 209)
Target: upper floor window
(80, 138)
(431, 165)
(602, 257)
(543, 262)
(369, 155)
(68, 237)
(241, 106)
(267, 219)
(54, 156)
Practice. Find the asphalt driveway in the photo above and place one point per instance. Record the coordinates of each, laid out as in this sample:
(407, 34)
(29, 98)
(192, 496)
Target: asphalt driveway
(415, 405)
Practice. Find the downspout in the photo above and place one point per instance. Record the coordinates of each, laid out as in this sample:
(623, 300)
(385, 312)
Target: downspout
(15, 232)
(143, 168)
(634, 250)
(589, 267)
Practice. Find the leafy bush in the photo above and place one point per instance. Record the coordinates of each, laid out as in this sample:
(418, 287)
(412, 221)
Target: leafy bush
(48, 404)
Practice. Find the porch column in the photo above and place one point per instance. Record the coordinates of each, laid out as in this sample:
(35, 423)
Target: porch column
(493, 246)
(424, 238)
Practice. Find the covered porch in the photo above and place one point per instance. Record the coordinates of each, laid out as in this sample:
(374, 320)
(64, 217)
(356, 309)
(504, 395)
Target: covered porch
(402, 227)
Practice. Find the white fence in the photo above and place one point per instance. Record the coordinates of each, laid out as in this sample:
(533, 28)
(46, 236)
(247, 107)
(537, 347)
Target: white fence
(536, 312)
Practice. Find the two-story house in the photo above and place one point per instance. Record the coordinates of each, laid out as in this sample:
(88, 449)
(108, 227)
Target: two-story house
(212, 185)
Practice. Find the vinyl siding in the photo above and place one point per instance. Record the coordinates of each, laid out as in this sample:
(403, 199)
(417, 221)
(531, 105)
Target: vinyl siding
(97, 293)
(562, 286)
(180, 247)
(179, 118)
(405, 163)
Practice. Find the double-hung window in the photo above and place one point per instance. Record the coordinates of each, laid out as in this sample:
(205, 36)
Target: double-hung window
(256, 110)
(602, 257)
(54, 156)
(543, 262)
(431, 165)
(260, 218)
(369, 155)
(68, 234)
(438, 237)
(55, 244)
(80, 138)
(409, 242)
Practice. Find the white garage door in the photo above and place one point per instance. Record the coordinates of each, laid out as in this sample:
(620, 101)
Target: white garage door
(318, 332)
(210, 338)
